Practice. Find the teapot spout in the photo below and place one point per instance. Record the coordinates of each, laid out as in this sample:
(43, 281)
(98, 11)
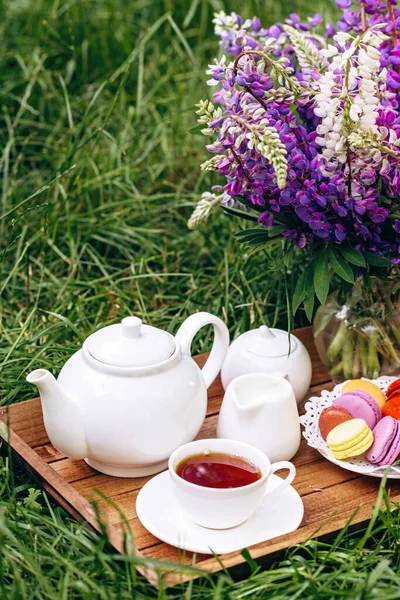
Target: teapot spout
(62, 415)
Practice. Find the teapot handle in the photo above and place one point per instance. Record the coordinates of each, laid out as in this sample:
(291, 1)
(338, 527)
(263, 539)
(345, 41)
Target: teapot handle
(188, 330)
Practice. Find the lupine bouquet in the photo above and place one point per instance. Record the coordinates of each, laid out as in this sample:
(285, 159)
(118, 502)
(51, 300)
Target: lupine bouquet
(304, 127)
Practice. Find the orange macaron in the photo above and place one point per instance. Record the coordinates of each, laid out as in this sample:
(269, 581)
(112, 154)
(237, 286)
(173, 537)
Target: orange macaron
(393, 389)
(392, 406)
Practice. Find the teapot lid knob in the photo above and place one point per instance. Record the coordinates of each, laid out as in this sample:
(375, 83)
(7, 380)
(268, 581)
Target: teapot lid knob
(266, 332)
(269, 342)
(131, 327)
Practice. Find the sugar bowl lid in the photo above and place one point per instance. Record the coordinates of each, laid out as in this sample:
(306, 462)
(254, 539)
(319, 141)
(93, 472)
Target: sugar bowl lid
(269, 342)
(130, 344)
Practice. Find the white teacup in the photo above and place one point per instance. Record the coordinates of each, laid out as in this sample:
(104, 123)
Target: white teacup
(227, 507)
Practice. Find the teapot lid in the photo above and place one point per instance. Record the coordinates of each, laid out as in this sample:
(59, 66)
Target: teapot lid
(130, 344)
(269, 342)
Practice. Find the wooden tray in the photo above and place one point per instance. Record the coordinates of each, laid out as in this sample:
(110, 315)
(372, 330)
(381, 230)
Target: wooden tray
(330, 494)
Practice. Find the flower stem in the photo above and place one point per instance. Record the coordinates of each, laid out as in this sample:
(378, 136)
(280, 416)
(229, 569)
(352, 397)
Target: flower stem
(363, 19)
(393, 355)
(355, 372)
(393, 19)
(337, 342)
(372, 356)
(240, 162)
(247, 87)
(392, 319)
(347, 355)
(362, 346)
(337, 369)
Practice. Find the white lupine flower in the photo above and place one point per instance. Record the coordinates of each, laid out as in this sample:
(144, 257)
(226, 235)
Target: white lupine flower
(353, 72)
(319, 112)
(349, 106)
(203, 209)
(339, 146)
(377, 39)
(330, 51)
(341, 37)
(348, 53)
(373, 53)
(383, 74)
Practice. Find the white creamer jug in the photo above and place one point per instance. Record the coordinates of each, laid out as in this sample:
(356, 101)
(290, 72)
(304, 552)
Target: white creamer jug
(261, 410)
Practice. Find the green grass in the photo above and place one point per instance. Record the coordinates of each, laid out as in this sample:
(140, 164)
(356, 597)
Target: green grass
(98, 178)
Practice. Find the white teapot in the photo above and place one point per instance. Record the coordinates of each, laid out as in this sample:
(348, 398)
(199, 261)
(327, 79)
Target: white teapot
(131, 395)
(266, 350)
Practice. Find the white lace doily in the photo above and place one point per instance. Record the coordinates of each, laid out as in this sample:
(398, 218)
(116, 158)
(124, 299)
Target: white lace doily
(313, 408)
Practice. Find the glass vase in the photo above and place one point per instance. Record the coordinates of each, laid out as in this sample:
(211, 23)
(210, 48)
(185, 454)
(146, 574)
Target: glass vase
(359, 335)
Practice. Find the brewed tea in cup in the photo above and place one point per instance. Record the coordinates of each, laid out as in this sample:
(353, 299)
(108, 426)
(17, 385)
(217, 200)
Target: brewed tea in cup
(218, 506)
(218, 470)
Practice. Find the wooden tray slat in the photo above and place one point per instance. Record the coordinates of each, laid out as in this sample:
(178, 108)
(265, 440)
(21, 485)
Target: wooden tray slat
(330, 494)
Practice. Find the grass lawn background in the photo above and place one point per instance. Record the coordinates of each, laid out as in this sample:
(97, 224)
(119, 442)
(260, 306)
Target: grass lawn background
(98, 178)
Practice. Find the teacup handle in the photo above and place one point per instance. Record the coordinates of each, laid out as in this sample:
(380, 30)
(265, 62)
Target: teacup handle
(282, 464)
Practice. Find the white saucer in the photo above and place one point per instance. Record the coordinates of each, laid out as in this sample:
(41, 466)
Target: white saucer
(160, 514)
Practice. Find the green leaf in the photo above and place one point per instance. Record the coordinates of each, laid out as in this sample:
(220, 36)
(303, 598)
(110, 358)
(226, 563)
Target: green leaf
(299, 291)
(276, 229)
(249, 204)
(248, 236)
(254, 567)
(4, 432)
(309, 305)
(196, 129)
(377, 261)
(255, 237)
(310, 292)
(321, 276)
(287, 256)
(352, 255)
(340, 266)
(250, 232)
(239, 213)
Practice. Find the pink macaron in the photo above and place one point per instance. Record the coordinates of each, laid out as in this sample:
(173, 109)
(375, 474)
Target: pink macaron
(361, 406)
(386, 446)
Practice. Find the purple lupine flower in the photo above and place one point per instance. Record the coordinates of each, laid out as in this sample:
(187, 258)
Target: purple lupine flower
(266, 218)
(315, 20)
(329, 30)
(317, 203)
(343, 3)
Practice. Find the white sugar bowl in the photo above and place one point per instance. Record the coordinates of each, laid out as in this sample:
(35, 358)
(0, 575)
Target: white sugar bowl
(267, 350)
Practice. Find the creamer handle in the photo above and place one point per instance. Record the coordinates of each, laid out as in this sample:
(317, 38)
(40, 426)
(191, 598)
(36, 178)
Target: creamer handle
(188, 330)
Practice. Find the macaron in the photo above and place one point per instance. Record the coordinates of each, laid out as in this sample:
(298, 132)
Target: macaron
(330, 417)
(393, 388)
(350, 438)
(386, 446)
(392, 407)
(360, 405)
(363, 385)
